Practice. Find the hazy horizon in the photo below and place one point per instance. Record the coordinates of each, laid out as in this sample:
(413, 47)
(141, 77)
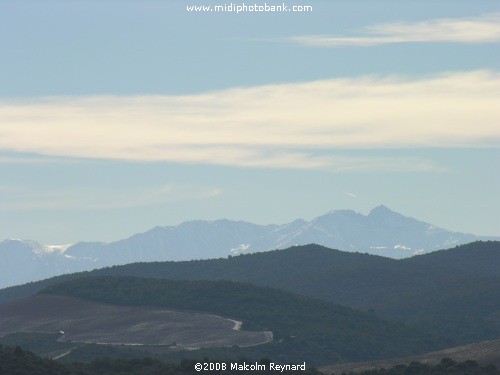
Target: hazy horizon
(116, 117)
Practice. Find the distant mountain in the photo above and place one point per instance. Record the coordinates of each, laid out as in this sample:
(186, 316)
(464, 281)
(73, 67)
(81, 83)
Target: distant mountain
(22, 261)
(451, 292)
(381, 232)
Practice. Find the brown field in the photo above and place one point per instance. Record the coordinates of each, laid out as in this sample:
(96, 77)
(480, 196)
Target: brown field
(90, 322)
(486, 352)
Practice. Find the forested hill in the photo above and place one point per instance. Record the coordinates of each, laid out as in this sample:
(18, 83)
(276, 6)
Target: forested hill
(454, 292)
(16, 361)
(475, 259)
(304, 329)
(304, 265)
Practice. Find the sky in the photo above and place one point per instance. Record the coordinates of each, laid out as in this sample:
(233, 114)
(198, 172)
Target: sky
(118, 116)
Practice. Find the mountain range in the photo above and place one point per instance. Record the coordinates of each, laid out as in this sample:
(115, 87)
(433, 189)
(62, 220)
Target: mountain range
(382, 232)
(321, 305)
(453, 292)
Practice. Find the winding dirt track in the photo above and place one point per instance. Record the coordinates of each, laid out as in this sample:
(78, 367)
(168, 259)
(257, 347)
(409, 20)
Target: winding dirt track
(91, 322)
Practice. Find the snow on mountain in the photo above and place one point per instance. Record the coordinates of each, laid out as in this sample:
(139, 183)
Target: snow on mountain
(382, 231)
(22, 261)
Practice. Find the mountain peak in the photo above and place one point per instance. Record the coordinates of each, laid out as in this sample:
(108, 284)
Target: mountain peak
(18, 243)
(381, 209)
(343, 213)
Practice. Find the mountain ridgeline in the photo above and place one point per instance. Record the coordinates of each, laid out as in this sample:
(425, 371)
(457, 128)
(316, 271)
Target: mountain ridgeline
(304, 329)
(381, 232)
(453, 293)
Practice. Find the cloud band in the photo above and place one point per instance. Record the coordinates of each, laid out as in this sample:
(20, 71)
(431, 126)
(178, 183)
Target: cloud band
(280, 126)
(484, 29)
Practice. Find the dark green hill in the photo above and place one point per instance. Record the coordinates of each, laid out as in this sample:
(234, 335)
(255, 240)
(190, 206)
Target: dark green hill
(21, 362)
(305, 329)
(452, 292)
(16, 361)
(474, 259)
(299, 269)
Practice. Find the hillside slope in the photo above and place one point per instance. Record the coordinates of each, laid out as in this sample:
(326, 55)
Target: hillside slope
(452, 292)
(382, 232)
(304, 329)
(485, 353)
(91, 322)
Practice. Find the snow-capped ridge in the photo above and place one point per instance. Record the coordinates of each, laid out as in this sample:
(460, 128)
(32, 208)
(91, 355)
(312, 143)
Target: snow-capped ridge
(381, 232)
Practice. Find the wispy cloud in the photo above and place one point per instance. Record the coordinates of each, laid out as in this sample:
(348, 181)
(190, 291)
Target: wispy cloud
(483, 29)
(30, 160)
(296, 125)
(16, 198)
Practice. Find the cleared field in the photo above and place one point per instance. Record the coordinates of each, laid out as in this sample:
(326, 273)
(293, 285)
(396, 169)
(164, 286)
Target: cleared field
(91, 322)
(485, 352)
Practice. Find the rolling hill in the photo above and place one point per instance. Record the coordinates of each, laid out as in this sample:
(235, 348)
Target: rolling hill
(382, 231)
(485, 353)
(304, 329)
(451, 292)
(84, 321)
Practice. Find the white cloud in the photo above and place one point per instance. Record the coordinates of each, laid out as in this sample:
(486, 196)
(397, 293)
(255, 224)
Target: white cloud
(297, 125)
(484, 29)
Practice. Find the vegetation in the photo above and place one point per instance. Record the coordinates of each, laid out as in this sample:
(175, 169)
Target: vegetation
(447, 366)
(17, 361)
(20, 362)
(465, 307)
(304, 329)
(41, 343)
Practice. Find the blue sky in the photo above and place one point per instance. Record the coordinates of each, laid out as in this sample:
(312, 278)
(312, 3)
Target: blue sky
(117, 116)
